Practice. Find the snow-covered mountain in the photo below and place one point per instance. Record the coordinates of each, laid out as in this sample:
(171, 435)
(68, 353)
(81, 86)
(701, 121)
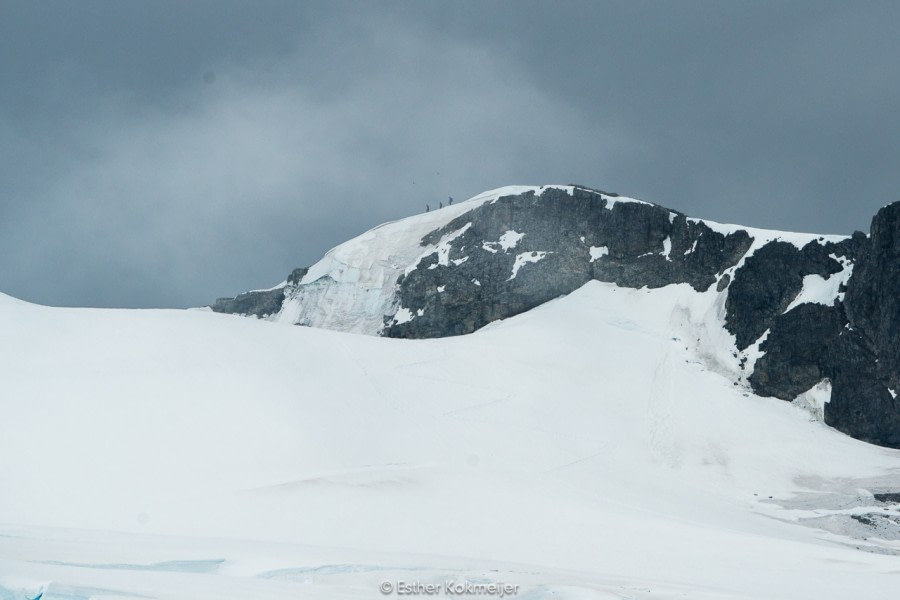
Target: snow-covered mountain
(793, 311)
(607, 428)
(588, 448)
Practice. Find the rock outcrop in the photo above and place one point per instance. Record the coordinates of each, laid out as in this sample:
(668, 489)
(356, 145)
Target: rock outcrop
(511, 255)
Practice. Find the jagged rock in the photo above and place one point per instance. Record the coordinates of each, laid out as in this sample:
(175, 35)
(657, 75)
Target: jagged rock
(874, 291)
(891, 497)
(633, 244)
(256, 304)
(296, 275)
(867, 361)
(767, 283)
(861, 405)
(260, 303)
(796, 351)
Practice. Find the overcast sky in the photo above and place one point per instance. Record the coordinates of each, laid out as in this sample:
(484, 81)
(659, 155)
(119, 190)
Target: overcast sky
(168, 153)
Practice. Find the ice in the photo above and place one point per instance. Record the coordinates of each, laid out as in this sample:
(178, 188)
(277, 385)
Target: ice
(814, 400)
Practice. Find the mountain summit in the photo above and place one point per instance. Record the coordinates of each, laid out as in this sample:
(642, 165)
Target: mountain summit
(784, 313)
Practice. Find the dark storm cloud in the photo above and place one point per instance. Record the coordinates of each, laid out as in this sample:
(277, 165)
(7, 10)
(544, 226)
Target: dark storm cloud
(162, 154)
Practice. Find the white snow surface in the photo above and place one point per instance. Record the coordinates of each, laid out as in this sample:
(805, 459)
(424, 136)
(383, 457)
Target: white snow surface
(271, 289)
(509, 239)
(818, 290)
(6, 300)
(598, 252)
(589, 448)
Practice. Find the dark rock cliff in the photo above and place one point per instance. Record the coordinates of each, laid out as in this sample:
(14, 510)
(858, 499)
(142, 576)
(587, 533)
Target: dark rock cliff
(635, 245)
(866, 360)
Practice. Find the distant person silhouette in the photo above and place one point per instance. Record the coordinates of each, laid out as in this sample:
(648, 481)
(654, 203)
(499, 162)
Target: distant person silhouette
(427, 208)
(451, 201)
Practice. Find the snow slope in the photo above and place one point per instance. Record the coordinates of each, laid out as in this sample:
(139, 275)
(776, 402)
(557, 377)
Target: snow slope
(589, 448)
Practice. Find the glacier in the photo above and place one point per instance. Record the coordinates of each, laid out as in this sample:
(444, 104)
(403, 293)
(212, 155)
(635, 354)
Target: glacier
(601, 445)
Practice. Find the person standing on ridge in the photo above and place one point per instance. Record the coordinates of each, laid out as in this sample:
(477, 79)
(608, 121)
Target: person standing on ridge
(451, 201)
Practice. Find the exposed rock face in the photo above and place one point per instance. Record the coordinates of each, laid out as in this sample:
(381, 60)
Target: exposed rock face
(522, 251)
(769, 280)
(797, 351)
(255, 304)
(802, 308)
(260, 303)
(874, 292)
(867, 359)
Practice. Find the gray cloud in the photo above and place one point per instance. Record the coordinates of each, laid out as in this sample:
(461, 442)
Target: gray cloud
(165, 154)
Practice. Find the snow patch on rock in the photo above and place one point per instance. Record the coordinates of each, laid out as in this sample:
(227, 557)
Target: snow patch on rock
(819, 290)
(510, 239)
(667, 248)
(753, 353)
(525, 258)
(764, 236)
(598, 252)
(403, 315)
(611, 201)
